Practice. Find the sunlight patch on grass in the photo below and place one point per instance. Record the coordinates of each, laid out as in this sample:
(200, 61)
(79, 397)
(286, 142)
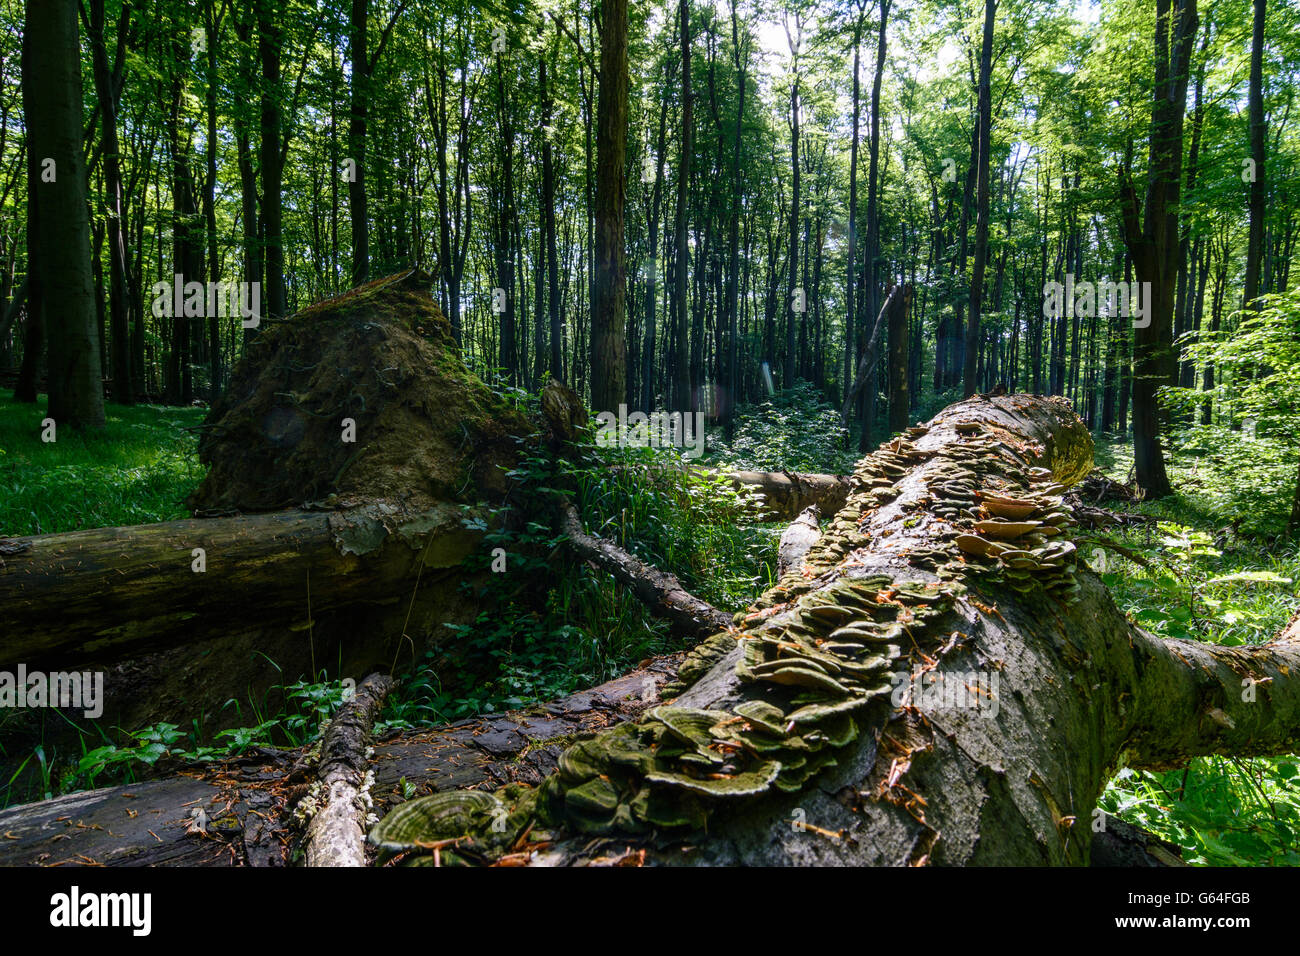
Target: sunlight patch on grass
(137, 471)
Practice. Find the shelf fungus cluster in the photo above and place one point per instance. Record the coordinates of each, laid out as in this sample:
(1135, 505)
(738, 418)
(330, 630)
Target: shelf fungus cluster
(814, 653)
(1012, 523)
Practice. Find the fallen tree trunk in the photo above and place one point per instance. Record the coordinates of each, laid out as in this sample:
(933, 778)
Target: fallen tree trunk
(940, 683)
(1011, 689)
(103, 595)
(787, 493)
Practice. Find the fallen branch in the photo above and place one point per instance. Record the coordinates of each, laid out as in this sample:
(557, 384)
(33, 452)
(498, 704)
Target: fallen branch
(661, 592)
(336, 834)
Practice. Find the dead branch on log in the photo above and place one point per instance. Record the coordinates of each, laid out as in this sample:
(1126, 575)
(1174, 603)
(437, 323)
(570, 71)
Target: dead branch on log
(336, 834)
(659, 591)
(796, 540)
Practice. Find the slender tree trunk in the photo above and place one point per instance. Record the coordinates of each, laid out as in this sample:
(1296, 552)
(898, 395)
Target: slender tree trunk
(357, 202)
(969, 383)
(740, 60)
(548, 226)
(851, 280)
(795, 300)
(119, 332)
(609, 303)
(652, 277)
(52, 102)
(1153, 241)
(681, 369)
(1258, 138)
(507, 352)
(269, 37)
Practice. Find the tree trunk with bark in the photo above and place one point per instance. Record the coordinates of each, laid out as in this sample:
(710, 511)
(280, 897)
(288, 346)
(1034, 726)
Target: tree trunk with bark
(107, 594)
(52, 101)
(608, 307)
(1152, 237)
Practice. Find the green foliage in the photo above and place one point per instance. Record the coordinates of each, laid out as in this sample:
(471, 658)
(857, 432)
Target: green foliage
(1254, 445)
(553, 625)
(1222, 811)
(127, 757)
(138, 470)
(795, 430)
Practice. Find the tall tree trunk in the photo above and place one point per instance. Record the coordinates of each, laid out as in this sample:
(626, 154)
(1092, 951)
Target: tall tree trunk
(357, 203)
(106, 93)
(1153, 240)
(871, 277)
(851, 266)
(52, 103)
(1258, 134)
(248, 198)
(548, 226)
(681, 370)
(507, 354)
(269, 37)
(795, 300)
(212, 27)
(740, 61)
(969, 384)
(609, 305)
(652, 271)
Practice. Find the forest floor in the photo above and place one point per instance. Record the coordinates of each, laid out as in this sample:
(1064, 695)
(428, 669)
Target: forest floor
(1207, 568)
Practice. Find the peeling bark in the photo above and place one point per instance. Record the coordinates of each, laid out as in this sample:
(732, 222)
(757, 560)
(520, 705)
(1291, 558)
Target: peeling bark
(336, 834)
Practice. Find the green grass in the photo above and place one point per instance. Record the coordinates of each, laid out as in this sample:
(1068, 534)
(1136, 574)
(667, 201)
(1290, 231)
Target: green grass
(137, 470)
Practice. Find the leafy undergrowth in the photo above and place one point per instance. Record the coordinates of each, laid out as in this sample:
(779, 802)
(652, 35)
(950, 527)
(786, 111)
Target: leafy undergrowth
(137, 470)
(1212, 569)
(103, 758)
(551, 625)
(794, 430)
